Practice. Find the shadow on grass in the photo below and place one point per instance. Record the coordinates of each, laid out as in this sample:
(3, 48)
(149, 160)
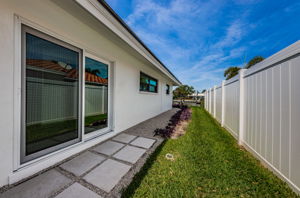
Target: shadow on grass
(138, 178)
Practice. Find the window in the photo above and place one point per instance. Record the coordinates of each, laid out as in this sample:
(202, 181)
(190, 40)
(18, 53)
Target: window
(167, 89)
(96, 95)
(148, 83)
(50, 98)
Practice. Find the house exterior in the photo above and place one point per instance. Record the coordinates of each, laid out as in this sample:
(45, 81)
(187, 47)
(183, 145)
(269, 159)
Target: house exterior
(72, 75)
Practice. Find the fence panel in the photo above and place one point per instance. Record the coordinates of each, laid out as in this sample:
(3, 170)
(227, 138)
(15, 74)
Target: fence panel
(271, 112)
(231, 121)
(219, 103)
(269, 122)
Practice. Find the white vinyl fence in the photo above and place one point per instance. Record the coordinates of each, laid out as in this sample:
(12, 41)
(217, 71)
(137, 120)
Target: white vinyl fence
(261, 109)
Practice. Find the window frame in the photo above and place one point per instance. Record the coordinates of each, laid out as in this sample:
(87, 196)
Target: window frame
(27, 158)
(168, 89)
(148, 84)
(109, 98)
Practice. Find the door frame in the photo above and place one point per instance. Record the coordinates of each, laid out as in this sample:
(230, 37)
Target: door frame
(109, 98)
(17, 92)
(27, 29)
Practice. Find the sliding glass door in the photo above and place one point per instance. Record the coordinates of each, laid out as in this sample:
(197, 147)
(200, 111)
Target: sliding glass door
(54, 95)
(51, 94)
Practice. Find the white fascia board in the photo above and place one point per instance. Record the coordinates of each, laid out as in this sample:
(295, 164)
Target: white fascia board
(100, 13)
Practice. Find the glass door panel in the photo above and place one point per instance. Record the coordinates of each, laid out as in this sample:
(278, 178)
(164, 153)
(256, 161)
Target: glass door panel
(51, 97)
(96, 95)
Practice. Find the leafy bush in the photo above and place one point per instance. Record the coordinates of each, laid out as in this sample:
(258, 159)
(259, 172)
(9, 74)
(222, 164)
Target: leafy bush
(182, 115)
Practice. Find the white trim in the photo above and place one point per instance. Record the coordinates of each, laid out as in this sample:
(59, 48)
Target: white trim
(150, 93)
(83, 95)
(241, 107)
(100, 13)
(215, 101)
(17, 94)
(22, 20)
(109, 90)
(111, 95)
(275, 59)
(290, 119)
(223, 104)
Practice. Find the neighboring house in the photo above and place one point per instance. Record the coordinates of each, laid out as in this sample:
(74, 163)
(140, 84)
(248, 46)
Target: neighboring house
(72, 74)
(196, 96)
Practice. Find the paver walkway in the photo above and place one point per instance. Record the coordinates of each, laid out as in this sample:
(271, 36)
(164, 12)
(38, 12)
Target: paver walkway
(100, 171)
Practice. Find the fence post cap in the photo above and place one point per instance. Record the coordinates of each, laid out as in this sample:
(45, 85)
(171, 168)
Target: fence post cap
(242, 70)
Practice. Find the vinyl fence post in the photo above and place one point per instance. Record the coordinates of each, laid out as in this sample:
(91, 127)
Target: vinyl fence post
(205, 100)
(223, 103)
(210, 100)
(207, 106)
(215, 101)
(242, 106)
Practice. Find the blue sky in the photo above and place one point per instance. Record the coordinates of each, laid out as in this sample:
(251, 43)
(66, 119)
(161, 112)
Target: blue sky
(198, 39)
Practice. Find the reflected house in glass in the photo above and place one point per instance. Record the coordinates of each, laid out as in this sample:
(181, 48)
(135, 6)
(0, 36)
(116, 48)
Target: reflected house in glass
(96, 95)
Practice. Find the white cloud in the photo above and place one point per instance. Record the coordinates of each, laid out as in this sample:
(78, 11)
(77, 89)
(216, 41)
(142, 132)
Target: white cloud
(180, 33)
(233, 35)
(216, 55)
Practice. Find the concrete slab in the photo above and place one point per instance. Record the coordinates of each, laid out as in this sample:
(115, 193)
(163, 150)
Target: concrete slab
(108, 148)
(82, 163)
(107, 175)
(125, 138)
(130, 154)
(77, 191)
(41, 186)
(143, 142)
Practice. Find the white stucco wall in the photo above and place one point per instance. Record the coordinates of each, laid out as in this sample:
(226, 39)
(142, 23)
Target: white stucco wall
(129, 105)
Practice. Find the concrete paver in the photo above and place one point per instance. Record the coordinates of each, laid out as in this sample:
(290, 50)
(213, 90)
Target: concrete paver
(108, 148)
(143, 142)
(125, 138)
(107, 175)
(77, 191)
(82, 163)
(38, 187)
(129, 154)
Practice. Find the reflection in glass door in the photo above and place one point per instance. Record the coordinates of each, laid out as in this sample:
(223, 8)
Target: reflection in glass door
(96, 95)
(51, 79)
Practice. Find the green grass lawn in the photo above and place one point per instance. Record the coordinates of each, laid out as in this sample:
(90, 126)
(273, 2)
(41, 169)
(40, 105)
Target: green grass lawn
(208, 163)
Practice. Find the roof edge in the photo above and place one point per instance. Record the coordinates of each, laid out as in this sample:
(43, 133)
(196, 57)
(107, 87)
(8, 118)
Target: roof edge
(121, 21)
